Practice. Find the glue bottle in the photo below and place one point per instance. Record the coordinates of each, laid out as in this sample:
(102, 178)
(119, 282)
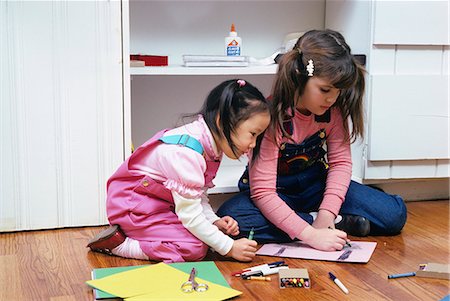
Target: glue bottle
(233, 43)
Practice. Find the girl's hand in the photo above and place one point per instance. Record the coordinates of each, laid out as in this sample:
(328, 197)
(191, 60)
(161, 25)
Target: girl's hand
(324, 239)
(243, 250)
(324, 219)
(227, 225)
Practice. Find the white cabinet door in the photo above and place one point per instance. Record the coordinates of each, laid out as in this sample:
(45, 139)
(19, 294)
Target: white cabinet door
(412, 22)
(406, 43)
(409, 118)
(61, 111)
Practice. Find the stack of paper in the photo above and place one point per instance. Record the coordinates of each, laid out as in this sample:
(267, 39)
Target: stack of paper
(163, 282)
(215, 61)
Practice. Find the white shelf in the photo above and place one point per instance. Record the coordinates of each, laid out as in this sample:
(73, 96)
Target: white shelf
(157, 96)
(227, 178)
(181, 70)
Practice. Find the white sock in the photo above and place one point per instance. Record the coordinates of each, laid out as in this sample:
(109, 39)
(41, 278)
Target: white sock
(336, 220)
(130, 248)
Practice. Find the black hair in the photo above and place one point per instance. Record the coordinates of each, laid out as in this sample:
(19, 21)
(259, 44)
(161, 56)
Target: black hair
(233, 102)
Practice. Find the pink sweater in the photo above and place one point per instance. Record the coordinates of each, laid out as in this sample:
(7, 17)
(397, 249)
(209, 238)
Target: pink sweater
(263, 173)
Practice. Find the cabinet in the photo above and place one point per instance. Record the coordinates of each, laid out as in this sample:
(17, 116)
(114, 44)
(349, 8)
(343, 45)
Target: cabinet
(407, 61)
(160, 95)
(407, 100)
(71, 106)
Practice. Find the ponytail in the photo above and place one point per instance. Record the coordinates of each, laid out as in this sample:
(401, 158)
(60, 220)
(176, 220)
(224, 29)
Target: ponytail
(289, 81)
(350, 102)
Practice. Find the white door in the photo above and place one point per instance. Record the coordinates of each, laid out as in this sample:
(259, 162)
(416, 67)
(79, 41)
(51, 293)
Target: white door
(61, 111)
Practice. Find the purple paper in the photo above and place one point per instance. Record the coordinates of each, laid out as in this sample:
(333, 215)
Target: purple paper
(361, 251)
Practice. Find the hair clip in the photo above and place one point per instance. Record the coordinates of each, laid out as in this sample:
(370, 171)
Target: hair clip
(241, 82)
(310, 67)
(338, 42)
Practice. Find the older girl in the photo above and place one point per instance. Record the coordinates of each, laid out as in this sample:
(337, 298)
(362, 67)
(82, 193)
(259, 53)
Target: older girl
(300, 185)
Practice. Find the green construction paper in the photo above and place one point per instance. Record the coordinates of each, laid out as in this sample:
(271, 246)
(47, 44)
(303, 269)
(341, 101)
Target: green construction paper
(205, 269)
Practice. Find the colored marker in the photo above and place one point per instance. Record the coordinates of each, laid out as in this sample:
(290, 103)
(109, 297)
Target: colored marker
(276, 264)
(263, 271)
(393, 276)
(338, 283)
(249, 274)
(266, 269)
(347, 243)
(252, 232)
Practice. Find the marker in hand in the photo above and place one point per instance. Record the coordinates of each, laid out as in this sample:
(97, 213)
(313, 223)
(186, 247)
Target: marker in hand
(347, 243)
(252, 232)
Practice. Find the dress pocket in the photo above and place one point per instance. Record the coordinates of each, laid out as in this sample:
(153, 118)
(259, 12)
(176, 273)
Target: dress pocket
(150, 197)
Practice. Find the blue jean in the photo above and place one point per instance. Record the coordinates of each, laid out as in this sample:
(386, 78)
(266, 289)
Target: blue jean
(303, 193)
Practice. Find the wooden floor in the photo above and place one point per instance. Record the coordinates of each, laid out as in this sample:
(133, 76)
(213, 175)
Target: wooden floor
(54, 265)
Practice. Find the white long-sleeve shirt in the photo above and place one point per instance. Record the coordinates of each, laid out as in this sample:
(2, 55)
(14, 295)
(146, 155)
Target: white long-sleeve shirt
(198, 217)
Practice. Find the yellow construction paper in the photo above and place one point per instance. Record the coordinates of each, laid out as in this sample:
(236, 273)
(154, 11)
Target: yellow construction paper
(156, 282)
(179, 298)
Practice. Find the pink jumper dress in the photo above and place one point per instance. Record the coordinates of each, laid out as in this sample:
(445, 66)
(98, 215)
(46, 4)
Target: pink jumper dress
(144, 209)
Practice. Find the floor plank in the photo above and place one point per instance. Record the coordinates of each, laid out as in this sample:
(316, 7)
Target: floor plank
(54, 265)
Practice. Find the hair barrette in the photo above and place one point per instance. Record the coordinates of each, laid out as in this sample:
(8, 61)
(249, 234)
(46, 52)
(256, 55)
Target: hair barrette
(310, 67)
(241, 82)
(338, 42)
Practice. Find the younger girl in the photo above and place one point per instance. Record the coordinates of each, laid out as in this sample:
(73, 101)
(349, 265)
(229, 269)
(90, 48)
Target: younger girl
(300, 185)
(157, 201)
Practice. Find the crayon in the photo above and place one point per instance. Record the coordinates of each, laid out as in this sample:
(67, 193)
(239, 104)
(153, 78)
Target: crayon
(394, 276)
(259, 278)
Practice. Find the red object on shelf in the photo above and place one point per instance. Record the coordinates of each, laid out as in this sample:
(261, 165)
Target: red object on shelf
(151, 60)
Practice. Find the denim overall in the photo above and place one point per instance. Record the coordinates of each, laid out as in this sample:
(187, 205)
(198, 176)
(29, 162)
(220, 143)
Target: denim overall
(293, 159)
(302, 172)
